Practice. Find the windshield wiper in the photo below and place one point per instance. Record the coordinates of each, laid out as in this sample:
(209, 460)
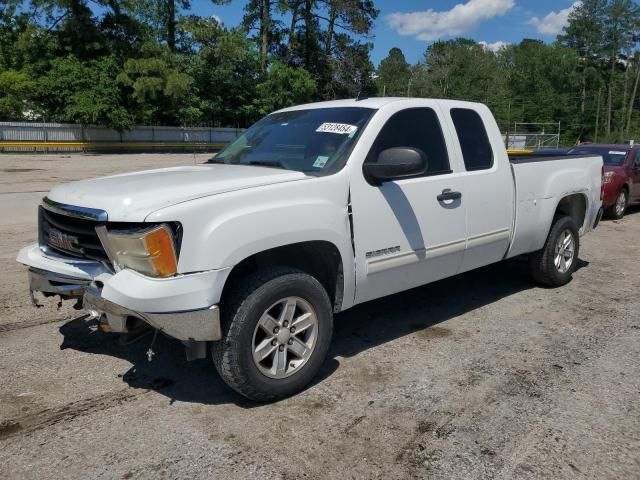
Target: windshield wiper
(267, 163)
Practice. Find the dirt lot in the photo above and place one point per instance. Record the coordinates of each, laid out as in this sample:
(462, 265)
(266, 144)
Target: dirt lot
(481, 376)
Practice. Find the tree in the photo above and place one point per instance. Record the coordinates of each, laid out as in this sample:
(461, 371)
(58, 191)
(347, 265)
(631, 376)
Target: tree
(226, 68)
(543, 80)
(636, 63)
(585, 34)
(463, 69)
(258, 15)
(16, 91)
(284, 86)
(83, 92)
(159, 87)
(162, 15)
(349, 70)
(355, 17)
(623, 20)
(394, 74)
(602, 32)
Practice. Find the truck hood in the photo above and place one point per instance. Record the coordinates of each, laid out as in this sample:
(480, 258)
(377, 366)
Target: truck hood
(133, 196)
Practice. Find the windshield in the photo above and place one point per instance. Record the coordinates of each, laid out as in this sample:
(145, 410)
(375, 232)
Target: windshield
(612, 156)
(316, 140)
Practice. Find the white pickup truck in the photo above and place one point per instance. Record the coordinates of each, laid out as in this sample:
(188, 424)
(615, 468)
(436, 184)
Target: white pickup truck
(313, 210)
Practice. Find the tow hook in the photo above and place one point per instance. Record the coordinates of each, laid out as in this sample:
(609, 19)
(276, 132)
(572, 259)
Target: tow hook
(150, 352)
(34, 302)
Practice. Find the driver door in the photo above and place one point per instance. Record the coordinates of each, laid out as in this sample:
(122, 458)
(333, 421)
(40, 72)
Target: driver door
(406, 233)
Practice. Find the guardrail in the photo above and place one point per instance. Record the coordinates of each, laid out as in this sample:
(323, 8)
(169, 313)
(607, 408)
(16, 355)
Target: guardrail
(30, 146)
(60, 137)
(513, 151)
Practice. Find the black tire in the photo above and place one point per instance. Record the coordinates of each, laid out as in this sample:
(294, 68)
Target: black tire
(241, 312)
(542, 263)
(615, 213)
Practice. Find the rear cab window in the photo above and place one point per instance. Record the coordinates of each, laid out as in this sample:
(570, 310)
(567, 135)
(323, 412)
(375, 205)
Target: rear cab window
(477, 152)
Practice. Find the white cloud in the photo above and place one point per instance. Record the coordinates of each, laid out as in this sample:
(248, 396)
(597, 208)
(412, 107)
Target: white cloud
(431, 25)
(495, 46)
(554, 22)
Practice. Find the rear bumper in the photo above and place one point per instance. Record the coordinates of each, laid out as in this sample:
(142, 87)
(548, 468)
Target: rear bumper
(183, 307)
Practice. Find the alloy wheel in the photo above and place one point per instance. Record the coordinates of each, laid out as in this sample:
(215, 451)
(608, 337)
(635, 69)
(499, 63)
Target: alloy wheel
(285, 337)
(564, 252)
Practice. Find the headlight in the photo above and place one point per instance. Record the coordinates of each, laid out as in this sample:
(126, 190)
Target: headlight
(608, 177)
(150, 251)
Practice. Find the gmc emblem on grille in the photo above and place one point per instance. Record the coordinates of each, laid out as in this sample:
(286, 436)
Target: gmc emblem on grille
(63, 241)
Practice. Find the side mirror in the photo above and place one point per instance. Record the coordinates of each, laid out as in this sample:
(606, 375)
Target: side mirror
(397, 162)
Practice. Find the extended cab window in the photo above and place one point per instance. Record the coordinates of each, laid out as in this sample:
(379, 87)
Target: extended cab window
(474, 141)
(417, 128)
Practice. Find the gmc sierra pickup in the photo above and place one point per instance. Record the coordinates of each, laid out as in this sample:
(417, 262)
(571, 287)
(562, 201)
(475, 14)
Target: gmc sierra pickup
(314, 209)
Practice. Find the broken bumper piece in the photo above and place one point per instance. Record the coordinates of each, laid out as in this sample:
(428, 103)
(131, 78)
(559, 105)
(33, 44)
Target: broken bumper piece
(189, 326)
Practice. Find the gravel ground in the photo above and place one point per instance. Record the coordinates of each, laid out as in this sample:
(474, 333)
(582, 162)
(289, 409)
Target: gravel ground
(481, 376)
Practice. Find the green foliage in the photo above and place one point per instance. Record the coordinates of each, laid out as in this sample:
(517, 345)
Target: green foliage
(284, 86)
(463, 69)
(159, 88)
(394, 74)
(226, 73)
(15, 90)
(129, 62)
(603, 33)
(83, 92)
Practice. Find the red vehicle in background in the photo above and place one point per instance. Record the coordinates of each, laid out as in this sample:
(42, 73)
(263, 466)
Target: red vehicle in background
(621, 179)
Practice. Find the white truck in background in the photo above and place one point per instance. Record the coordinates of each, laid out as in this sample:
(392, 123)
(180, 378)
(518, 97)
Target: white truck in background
(313, 210)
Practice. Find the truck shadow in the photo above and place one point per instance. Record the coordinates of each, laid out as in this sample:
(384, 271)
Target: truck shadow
(419, 309)
(360, 328)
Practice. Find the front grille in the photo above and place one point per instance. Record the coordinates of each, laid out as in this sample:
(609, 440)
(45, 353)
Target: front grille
(72, 236)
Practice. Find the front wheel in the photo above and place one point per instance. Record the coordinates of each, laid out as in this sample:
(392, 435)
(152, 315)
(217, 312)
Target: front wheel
(277, 330)
(554, 264)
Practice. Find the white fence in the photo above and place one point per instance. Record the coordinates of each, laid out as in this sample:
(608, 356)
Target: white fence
(27, 136)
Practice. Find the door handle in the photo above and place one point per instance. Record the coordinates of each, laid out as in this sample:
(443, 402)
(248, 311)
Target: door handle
(449, 195)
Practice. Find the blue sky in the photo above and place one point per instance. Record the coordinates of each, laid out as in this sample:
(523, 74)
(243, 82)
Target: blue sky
(412, 24)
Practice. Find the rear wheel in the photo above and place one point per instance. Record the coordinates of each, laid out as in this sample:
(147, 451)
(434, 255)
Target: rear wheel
(277, 330)
(618, 209)
(554, 264)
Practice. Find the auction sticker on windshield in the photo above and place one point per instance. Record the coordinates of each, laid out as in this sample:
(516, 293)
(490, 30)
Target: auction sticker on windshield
(340, 128)
(321, 161)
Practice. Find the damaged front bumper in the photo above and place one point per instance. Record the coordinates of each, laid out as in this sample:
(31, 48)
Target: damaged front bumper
(196, 325)
(183, 307)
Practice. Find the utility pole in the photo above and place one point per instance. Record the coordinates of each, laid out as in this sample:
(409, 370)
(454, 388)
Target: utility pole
(598, 115)
(506, 138)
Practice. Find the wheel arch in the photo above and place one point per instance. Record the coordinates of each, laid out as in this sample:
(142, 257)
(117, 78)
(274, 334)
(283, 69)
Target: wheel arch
(319, 258)
(573, 205)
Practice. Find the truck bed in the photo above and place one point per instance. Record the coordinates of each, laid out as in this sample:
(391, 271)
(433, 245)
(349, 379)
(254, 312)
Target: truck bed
(540, 182)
